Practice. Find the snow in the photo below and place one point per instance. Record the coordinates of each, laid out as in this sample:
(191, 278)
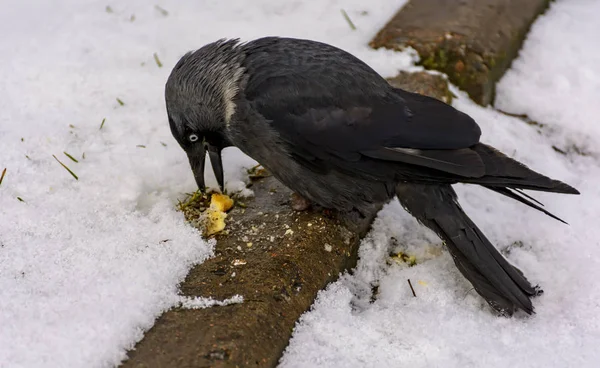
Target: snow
(202, 302)
(87, 265)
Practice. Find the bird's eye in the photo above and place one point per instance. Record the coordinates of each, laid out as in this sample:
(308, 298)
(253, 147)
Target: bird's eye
(193, 137)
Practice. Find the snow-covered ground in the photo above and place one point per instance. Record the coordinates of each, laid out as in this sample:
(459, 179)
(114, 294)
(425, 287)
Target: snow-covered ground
(87, 265)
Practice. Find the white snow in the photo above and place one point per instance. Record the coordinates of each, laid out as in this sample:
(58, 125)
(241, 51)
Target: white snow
(87, 265)
(202, 302)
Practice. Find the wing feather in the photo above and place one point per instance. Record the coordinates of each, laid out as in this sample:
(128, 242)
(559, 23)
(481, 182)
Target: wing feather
(346, 113)
(464, 162)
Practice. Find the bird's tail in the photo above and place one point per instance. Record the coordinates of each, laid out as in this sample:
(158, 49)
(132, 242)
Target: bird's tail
(507, 177)
(502, 285)
(503, 171)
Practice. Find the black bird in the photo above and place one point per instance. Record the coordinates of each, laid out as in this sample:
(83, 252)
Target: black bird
(334, 131)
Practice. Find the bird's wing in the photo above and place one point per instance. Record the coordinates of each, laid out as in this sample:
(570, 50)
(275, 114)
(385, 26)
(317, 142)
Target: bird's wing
(404, 127)
(341, 115)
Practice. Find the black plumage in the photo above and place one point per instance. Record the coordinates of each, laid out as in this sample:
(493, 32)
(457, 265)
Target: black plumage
(334, 131)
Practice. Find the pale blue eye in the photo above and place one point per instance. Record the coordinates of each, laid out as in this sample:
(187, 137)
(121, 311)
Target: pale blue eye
(193, 137)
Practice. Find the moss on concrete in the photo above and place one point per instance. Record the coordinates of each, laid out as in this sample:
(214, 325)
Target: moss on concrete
(472, 41)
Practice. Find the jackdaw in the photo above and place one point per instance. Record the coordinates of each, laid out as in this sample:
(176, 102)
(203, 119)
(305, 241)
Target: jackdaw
(334, 131)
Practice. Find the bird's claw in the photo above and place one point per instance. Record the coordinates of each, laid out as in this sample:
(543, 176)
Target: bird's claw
(299, 203)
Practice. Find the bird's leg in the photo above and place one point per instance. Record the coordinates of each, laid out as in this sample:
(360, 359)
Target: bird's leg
(299, 203)
(328, 212)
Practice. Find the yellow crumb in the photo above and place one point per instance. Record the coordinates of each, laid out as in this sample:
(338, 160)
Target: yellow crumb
(404, 258)
(214, 220)
(220, 202)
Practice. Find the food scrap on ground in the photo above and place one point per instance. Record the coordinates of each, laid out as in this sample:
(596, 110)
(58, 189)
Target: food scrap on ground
(207, 211)
(402, 257)
(257, 172)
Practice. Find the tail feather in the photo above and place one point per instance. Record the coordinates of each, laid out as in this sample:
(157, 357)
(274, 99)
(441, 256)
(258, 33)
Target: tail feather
(528, 197)
(502, 285)
(503, 171)
(525, 199)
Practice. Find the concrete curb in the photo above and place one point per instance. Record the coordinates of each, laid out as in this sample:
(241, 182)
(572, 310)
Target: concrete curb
(472, 41)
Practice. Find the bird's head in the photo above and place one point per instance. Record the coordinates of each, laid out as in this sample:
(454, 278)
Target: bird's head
(200, 96)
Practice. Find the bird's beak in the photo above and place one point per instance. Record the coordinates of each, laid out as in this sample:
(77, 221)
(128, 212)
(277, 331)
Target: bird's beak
(197, 159)
(214, 153)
